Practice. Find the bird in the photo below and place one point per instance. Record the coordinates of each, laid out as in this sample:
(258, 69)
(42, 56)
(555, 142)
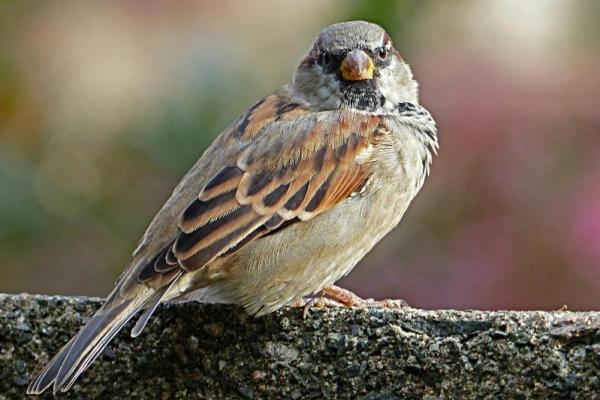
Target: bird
(285, 201)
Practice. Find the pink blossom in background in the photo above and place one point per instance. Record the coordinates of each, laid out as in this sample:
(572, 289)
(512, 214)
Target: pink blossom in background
(584, 232)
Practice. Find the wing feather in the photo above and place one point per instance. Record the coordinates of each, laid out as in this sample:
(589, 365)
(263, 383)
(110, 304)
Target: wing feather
(297, 166)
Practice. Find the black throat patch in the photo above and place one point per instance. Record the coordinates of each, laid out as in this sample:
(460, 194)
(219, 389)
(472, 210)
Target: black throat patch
(361, 95)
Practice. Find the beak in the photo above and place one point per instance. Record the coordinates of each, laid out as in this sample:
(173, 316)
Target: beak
(357, 66)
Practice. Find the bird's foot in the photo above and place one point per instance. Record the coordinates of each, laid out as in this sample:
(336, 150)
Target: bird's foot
(319, 303)
(349, 299)
(335, 296)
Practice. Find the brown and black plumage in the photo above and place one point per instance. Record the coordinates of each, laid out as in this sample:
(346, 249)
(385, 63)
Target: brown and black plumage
(285, 201)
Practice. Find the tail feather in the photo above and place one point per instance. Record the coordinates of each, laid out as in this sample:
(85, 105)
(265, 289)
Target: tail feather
(79, 353)
(45, 379)
(151, 305)
(90, 342)
(95, 351)
(83, 348)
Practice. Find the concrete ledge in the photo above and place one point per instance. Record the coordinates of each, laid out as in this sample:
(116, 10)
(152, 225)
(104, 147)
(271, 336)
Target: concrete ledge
(196, 351)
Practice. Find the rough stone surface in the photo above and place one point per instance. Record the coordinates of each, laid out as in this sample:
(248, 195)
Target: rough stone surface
(195, 351)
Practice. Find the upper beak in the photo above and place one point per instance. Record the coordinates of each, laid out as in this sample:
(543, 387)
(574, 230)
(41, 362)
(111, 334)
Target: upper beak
(357, 66)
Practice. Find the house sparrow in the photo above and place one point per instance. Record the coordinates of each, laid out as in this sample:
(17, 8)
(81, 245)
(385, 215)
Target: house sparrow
(286, 200)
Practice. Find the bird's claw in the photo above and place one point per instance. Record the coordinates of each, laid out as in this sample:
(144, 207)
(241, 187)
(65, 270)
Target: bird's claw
(335, 296)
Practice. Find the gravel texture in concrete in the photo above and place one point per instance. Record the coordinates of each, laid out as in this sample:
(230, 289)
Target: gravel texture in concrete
(195, 351)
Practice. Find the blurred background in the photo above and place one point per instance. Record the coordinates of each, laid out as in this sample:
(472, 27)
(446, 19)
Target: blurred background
(105, 105)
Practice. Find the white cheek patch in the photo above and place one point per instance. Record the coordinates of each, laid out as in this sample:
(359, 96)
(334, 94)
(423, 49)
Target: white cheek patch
(388, 86)
(396, 83)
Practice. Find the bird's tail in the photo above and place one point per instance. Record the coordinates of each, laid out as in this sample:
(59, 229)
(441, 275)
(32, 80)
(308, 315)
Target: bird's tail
(74, 358)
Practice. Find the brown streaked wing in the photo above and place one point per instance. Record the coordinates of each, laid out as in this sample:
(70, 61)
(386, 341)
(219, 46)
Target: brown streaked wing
(275, 107)
(162, 263)
(293, 170)
(227, 179)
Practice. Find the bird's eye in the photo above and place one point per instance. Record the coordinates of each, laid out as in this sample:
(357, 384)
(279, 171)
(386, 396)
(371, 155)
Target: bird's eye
(324, 59)
(382, 53)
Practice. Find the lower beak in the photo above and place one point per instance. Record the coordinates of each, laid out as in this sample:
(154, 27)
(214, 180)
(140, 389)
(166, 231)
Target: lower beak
(357, 66)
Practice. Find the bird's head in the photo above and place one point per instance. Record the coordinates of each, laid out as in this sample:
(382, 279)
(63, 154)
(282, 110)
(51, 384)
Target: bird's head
(353, 65)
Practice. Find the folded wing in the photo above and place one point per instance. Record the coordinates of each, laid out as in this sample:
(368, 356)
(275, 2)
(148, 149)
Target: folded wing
(292, 171)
